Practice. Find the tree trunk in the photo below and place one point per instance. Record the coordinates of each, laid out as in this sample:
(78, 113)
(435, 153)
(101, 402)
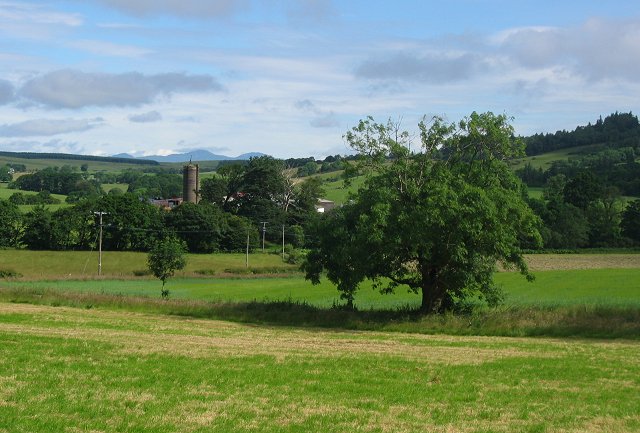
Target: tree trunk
(432, 295)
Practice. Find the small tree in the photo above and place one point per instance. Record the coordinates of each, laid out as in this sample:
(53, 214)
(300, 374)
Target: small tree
(166, 257)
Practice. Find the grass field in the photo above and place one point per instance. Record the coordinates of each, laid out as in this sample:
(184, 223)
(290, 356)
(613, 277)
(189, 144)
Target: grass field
(335, 189)
(6, 192)
(561, 279)
(54, 265)
(602, 287)
(545, 160)
(109, 186)
(573, 294)
(41, 163)
(283, 360)
(73, 370)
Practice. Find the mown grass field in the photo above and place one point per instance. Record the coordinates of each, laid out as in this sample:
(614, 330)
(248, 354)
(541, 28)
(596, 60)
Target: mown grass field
(124, 360)
(75, 370)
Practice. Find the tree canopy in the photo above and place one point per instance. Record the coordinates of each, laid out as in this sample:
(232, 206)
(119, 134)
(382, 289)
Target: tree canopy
(165, 258)
(435, 218)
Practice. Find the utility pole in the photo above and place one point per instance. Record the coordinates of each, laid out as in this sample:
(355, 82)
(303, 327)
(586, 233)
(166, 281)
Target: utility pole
(100, 242)
(264, 230)
(283, 242)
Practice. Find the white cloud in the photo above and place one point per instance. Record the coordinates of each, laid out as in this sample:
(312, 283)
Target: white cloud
(54, 146)
(310, 11)
(6, 92)
(74, 89)
(598, 49)
(322, 118)
(434, 68)
(26, 12)
(328, 120)
(181, 8)
(47, 127)
(103, 48)
(151, 116)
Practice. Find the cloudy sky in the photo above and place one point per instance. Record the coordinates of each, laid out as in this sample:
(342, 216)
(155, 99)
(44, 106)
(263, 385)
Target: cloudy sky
(289, 77)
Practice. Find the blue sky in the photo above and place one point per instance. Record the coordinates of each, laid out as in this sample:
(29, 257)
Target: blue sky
(289, 77)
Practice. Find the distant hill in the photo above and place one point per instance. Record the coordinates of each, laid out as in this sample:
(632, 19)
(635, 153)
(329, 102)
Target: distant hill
(618, 130)
(196, 155)
(72, 157)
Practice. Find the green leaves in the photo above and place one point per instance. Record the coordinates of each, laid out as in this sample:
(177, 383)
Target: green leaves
(166, 257)
(435, 219)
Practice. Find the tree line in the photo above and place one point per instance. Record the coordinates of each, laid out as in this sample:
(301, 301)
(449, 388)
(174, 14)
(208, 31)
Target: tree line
(66, 156)
(615, 131)
(237, 203)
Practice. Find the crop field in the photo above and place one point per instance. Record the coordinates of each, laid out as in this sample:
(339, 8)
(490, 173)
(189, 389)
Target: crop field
(75, 370)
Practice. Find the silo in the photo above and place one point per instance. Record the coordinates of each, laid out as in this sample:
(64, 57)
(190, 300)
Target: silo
(190, 183)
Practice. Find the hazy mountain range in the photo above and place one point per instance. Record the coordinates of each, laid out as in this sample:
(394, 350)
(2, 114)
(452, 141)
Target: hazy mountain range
(196, 155)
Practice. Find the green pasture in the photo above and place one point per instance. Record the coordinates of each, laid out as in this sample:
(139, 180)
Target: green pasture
(106, 187)
(79, 370)
(41, 163)
(545, 160)
(335, 188)
(561, 280)
(6, 192)
(54, 265)
(593, 287)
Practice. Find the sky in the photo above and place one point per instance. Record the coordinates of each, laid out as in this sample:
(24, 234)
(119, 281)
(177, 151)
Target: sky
(289, 77)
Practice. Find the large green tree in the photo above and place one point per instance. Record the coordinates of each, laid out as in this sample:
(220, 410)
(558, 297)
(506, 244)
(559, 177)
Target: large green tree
(200, 226)
(131, 224)
(435, 218)
(10, 224)
(631, 221)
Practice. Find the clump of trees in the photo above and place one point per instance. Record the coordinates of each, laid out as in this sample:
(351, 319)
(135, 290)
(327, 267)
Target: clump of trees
(262, 193)
(435, 217)
(59, 180)
(238, 202)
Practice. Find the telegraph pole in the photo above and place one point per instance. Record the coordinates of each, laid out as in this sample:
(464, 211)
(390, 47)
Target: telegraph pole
(264, 230)
(100, 242)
